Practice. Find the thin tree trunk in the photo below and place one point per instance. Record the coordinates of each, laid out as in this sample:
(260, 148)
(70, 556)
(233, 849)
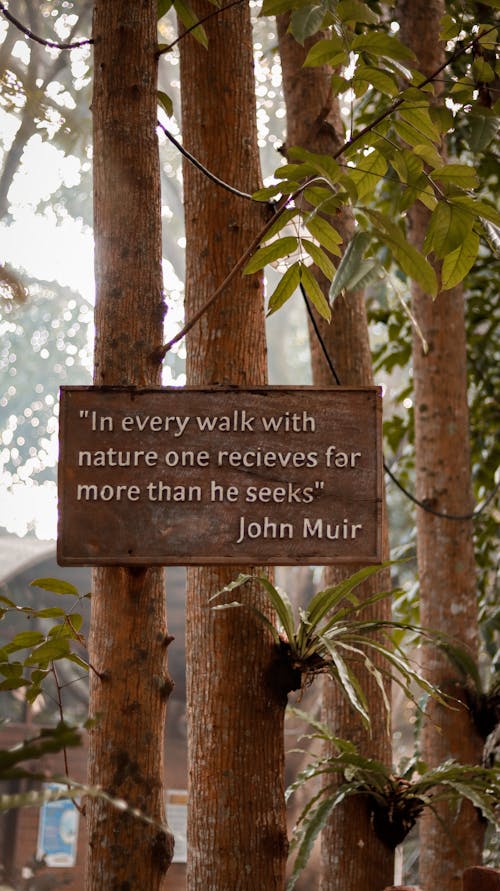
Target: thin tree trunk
(236, 823)
(128, 625)
(445, 547)
(353, 857)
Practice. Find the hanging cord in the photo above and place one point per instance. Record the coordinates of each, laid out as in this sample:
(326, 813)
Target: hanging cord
(211, 176)
(422, 504)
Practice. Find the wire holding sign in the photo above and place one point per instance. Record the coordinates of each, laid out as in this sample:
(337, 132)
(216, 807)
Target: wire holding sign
(193, 476)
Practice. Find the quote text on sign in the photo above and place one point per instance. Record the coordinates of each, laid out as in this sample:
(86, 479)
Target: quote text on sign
(192, 476)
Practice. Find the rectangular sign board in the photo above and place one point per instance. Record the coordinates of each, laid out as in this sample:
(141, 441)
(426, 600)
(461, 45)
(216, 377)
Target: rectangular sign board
(187, 476)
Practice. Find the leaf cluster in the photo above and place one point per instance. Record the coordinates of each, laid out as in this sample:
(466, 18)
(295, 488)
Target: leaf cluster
(391, 160)
(331, 636)
(41, 649)
(396, 798)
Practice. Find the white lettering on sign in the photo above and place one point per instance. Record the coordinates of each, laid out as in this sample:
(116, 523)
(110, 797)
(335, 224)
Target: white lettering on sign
(223, 473)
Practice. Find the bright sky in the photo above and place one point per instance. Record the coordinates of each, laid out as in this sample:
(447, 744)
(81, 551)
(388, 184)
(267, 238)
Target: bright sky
(51, 248)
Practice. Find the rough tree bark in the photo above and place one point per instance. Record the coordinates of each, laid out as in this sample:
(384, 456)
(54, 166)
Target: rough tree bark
(445, 547)
(236, 823)
(128, 638)
(352, 855)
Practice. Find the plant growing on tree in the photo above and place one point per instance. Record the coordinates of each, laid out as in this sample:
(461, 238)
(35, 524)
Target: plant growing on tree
(397, 798)
(331, 637)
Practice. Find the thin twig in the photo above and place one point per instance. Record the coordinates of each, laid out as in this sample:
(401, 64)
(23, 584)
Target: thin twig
(278, 210)
(211, 176)
(52, 43)
(61, 715)
(166, 49)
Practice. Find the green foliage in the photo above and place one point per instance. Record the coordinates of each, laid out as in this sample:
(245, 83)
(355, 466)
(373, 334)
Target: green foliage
(166, 103)
(330, 636)
(394, 150)
(48, 741)
(29, 670)
(396, 798)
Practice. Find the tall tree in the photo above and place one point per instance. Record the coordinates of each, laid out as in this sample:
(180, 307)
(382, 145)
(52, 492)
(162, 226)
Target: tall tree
(236, 822)
(128, 638)
(351, 852)
(443, 481)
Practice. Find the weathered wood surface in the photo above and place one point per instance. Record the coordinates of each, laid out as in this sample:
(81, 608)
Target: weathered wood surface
(276, 475)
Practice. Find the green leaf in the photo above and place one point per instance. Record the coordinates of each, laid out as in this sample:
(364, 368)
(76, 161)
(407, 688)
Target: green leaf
(409, 259)
(285, 288)
(11, 669)
(479, 208)
(282, 606)
(327, 52)
(450, 28)
(189, 18)
(488, 37)
(56, 648)
(428, 153)
(281, 221)
(276, 7)
(306, 21)
(319, 257)
(314, 292)
(412, 135)
(482, 71)
(419, 118)
(166, 103)
(315, 824)
(282, 247)
(325, 165)
(367, 175)
(324, 232)
(481, 126)
(408, 166)
(267, 193)
(356, 11)
(376, 43)
(293, 172)
(348, 264)
(163, 7)
(449, 227)
(13, 683)
(348, 683)
(324, 601)
(383, 81)
(57, 586)
(457, 174)
(52, 612)
(24, 640)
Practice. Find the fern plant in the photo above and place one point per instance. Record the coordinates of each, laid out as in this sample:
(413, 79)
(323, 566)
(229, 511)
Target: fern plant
(397, 798)
(330, 636)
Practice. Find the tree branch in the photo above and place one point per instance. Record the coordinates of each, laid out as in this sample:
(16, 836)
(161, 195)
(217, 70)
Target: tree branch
(51, 43)
(170, 46)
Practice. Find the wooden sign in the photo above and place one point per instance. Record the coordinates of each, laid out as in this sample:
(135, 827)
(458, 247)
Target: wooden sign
(193, 476)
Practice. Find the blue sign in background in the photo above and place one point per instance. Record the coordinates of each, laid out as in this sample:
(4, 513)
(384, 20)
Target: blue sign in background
(58, 831)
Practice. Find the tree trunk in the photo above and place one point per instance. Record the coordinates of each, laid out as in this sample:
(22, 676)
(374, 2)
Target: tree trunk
(128, 626)
(352, 855)
(236, 823)
(445, 547)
